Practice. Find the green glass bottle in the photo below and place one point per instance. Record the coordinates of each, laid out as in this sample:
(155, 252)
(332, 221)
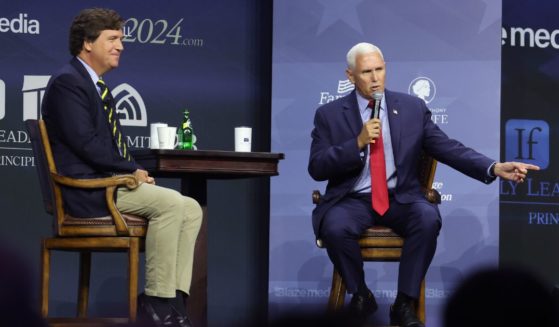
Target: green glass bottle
(185, 132)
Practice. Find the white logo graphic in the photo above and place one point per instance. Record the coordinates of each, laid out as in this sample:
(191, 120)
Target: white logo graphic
(423, 88)
(2, 99)
(345, 86)
(158, 32)
(19, 24)
(527, 37)
(33, 92)
(130, 106)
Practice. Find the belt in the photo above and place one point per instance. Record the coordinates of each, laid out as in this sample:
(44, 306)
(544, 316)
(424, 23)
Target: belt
(367, 195)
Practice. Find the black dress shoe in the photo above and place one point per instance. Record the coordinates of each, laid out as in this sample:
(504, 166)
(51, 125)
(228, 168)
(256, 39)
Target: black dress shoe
(403, 314)
(181, 320)
(361, 306)
(147, 313)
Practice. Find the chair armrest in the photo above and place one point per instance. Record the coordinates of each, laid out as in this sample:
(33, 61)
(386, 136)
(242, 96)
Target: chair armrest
(120, 180)
(316, 196)
(432, 196)
(110, 184)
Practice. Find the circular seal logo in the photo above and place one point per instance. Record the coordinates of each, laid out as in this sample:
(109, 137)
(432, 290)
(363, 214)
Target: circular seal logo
(423, 88)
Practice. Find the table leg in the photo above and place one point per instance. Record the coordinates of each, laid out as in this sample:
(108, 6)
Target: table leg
(198, 300)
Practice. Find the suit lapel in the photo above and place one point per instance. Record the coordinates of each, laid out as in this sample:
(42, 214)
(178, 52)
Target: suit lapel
(85, 75)
(81, 69)
(395, 121)
(100, 114)
(351, 113)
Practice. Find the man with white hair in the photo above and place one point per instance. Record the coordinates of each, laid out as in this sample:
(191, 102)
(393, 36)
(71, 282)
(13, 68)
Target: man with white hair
(344, 135)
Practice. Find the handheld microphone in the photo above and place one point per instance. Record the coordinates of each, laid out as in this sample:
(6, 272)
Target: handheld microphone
(377, 96)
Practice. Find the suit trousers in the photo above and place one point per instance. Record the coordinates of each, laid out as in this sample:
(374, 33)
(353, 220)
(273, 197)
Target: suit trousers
(174, 222)
(419, 223)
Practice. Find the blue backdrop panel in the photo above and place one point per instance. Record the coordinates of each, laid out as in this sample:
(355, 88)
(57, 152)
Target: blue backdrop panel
(452, 46)
(529, 219)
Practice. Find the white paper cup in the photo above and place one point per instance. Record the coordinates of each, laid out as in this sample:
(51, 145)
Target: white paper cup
(167, 137)
(243, 139)
(153, 139)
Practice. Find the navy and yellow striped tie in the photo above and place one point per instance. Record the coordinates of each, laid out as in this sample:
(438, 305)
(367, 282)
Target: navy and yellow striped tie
(114, 125)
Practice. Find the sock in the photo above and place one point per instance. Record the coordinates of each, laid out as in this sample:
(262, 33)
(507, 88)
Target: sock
(403, 298)
(363, 290)
(161, 305)
(179, 302)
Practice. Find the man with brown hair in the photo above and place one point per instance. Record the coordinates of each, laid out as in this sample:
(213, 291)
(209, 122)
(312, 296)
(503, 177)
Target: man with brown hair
(87, 142)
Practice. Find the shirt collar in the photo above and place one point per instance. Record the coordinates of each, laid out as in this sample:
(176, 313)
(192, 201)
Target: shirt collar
(94, 77)
(363, 103)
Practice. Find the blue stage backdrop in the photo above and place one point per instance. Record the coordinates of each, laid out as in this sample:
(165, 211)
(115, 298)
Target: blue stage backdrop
(209, 58)
(451, 45)
(529, 221)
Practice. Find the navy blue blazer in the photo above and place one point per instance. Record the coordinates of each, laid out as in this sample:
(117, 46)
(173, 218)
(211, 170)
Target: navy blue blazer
(336, 158)
(82, 143)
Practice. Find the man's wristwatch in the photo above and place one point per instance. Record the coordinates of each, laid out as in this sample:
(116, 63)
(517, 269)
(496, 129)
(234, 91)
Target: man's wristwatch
(492, 170)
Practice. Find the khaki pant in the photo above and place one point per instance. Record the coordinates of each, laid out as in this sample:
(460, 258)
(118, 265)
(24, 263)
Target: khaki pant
(174, 222)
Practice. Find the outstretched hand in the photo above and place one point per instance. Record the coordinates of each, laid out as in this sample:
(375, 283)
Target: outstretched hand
(513, 171)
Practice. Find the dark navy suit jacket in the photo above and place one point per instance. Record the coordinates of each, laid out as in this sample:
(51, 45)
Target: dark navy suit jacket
(336, 158)
(82, 143)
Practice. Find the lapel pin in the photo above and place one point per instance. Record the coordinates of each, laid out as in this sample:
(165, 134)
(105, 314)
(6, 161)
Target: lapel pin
(395, 111)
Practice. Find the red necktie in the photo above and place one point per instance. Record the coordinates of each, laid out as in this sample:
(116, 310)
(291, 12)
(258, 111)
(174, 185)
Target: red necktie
(379, 189)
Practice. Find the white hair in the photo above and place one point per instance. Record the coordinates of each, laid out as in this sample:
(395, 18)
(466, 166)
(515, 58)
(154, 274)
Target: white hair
(359, 49)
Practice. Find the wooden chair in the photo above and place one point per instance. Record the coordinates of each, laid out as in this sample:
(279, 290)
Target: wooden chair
(115, 233)
(380, 243)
